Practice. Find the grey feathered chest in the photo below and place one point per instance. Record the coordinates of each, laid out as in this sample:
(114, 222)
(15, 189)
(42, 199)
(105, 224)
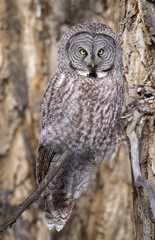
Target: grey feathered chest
(81, 115)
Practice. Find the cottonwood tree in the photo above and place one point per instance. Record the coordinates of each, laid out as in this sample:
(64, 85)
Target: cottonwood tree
(137, 34)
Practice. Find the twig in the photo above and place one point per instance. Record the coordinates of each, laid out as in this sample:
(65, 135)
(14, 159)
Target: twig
(139, 180)
(35, 195)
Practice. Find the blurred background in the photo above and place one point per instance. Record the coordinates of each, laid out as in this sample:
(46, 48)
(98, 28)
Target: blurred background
(29, 34)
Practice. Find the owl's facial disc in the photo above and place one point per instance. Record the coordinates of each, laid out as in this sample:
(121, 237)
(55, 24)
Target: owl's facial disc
(91, 55)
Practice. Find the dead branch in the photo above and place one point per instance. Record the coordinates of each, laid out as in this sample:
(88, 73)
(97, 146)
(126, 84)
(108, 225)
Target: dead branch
(139, 180)
(35, 195)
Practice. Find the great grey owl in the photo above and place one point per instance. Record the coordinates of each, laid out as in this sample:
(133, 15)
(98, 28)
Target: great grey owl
(80, 112)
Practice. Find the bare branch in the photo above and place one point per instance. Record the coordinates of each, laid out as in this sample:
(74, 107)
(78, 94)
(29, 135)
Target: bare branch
(139, 180)
(35, 195)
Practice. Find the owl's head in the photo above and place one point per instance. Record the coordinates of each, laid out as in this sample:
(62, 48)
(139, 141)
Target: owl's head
(91, 54)
(89, 49)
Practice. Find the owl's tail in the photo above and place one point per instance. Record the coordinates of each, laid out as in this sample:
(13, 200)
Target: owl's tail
(58, 208)
(65, 188)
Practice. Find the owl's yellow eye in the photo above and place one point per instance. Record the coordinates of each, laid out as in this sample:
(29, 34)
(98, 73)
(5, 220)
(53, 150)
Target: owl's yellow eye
(100, 52)
(83, 52)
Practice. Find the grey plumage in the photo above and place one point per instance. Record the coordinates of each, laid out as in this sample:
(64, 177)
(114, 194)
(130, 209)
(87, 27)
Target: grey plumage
(80, 112)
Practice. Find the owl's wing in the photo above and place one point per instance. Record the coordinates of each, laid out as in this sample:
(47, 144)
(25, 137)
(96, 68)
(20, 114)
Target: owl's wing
(58, 195)
(45, 156)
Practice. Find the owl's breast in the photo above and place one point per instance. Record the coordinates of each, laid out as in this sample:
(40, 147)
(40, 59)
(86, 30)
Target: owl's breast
(82, 117)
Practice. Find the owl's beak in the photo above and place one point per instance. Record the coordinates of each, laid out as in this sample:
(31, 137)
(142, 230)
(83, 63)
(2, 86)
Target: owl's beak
(93, 64)
(93, 69)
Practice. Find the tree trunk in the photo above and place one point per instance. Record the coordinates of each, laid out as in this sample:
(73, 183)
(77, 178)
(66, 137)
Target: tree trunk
(137, 34)
(29, 35)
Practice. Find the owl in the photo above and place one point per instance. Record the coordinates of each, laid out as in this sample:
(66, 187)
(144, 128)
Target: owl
(81, 108)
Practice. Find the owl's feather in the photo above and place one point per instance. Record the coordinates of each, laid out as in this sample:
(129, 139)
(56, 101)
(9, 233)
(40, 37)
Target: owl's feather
(44, 158)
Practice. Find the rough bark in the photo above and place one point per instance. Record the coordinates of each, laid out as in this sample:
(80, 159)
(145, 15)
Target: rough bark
(24, 56)
(29, 35)
(137, 32)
